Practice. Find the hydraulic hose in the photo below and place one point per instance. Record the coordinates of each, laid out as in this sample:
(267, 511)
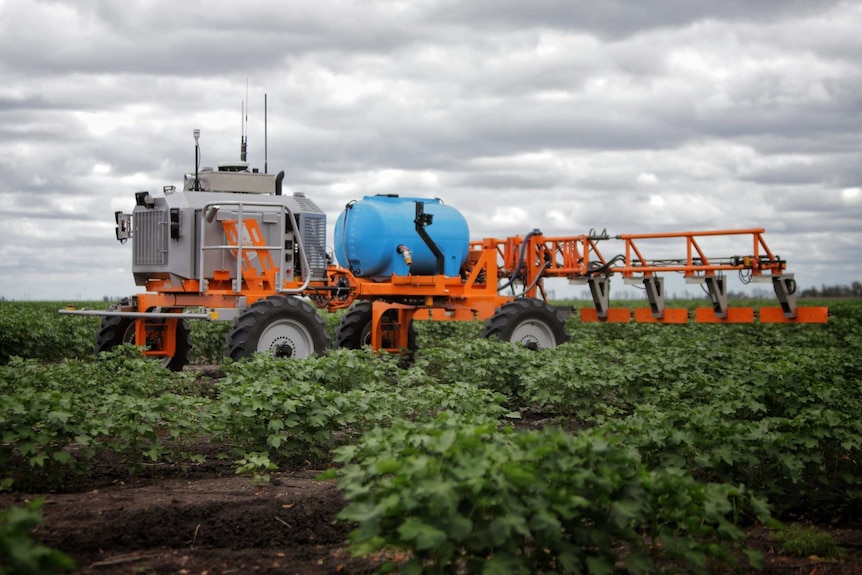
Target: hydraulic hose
(535, 281)
(604, 267)
(521, 255)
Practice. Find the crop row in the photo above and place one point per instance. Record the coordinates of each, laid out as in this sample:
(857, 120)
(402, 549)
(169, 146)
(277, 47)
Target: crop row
(480, 455)
(35, 330)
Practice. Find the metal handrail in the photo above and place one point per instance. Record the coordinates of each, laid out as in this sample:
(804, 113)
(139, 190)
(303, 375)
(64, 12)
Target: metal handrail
(280, 279)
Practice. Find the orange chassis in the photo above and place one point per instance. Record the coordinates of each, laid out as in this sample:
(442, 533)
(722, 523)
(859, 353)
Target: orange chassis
(475, 295)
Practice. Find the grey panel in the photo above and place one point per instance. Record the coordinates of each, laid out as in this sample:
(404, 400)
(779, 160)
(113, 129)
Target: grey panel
(313, 230)
(150, 237)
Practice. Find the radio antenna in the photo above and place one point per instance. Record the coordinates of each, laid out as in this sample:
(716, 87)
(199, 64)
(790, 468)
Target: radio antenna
(196, 186)
(243, 142)
(265, 139)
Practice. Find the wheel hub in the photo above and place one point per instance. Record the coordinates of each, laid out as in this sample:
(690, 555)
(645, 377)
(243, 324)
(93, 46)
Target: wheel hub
(534, 335)
(286, 339)
(283, 348)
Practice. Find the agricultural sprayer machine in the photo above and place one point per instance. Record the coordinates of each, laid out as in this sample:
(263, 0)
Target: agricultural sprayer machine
(230, 246)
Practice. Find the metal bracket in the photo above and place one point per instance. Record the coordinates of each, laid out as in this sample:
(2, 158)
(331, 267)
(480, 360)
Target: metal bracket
(600, 290)
(124, 226)
(717, 287)
(785, 291)
(655, 294)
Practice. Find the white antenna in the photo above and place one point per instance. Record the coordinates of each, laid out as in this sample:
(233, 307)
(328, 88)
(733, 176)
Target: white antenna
(196, 187)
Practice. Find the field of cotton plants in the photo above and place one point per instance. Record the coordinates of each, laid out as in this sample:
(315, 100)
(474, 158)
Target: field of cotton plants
(633, 448)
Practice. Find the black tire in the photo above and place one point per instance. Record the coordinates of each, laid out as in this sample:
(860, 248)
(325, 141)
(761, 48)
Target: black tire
(354, 330)
(282, 326)
(530, 322)
(116, 330)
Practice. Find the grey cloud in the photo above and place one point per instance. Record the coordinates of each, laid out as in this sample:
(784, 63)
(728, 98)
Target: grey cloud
(615, 19)
(635, 117)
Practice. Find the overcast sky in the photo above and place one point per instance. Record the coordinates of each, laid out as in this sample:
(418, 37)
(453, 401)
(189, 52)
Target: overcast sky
(563, 115)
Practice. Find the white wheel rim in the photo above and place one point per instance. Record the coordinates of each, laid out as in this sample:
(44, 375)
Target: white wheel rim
(534, 334)
(288, 339)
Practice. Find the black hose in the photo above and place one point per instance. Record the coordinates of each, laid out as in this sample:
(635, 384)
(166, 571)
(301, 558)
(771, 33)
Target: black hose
(604, 267)
(521, 255)
(535, 281)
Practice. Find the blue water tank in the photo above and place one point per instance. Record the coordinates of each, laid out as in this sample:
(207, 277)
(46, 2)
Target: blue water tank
(368, 234)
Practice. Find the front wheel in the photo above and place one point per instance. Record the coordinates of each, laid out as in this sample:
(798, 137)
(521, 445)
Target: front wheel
(281, 326)
(530, 322)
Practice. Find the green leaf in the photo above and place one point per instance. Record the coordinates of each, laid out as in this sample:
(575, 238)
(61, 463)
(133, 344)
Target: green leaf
(625, 511)
(63, 457)
(327, 475)
(275, 425)
(755, 558)
(38, 460)
(390, 465)
(502, 527)
(459, 528)
(425, 536)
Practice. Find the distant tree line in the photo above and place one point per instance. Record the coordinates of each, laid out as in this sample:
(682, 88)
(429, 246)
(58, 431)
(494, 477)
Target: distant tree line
(852, 290)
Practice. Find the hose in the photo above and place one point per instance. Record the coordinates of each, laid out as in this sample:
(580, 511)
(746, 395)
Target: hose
(535, 281)
(521, 255)
(604, 267)
(347, 264)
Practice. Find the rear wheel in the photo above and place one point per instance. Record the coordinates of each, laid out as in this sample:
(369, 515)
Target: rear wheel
(530, 322)
(354, 331)
(281, 326)
(118, 330)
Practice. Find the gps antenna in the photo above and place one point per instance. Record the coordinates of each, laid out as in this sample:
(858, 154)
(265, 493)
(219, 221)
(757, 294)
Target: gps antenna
(243, 140)
(197, 185)
(265, 150)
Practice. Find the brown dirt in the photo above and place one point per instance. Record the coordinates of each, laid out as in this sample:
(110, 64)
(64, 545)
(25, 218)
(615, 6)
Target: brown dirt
(220, 524)
(212, 525)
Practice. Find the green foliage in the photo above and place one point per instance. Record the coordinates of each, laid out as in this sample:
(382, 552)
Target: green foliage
(20, 554)
(771, 407)
(784, 424)
(273, 410)
(806, 540)
(55, 417)
(440, 333)
(36, 330)
(466, 496)
(208, 341)
(262, 409)
(488, 363)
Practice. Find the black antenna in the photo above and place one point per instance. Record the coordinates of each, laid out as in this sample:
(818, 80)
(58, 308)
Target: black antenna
(265, 140)
(196, 187)
(243, 140)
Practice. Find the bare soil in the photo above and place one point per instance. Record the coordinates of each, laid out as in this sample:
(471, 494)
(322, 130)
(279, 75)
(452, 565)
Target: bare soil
(217, 523)
(201, 525)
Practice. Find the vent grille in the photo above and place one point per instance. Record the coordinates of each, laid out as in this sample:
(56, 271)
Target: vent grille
(314, 240)
(307, 205)
(150, 237)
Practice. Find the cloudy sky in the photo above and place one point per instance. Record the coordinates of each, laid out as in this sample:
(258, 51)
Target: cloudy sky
(566, 115)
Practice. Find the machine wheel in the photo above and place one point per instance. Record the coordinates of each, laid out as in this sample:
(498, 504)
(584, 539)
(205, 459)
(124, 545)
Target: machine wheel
(115, 331)
(281, 326)
(354, 331)
(530, 322)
